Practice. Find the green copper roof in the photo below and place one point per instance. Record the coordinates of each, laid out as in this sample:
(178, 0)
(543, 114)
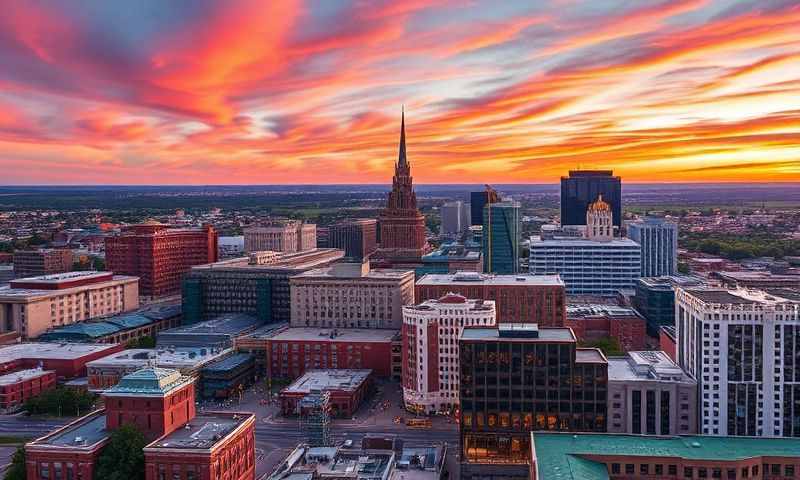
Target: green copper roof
(149, 381)
(80, 331)
(560, 456)
(132, 320)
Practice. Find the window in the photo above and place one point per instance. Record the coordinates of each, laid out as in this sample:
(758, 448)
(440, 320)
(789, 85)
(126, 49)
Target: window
(672, 470)
(644, 469)
(659, 469)
(687, 472)
(615, 468)
(629, 469)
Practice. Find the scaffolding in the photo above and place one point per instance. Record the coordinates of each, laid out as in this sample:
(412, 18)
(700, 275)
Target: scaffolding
(315, 418)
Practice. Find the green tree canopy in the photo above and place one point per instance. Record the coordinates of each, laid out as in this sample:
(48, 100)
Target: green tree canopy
(16, 471)
(122, 458)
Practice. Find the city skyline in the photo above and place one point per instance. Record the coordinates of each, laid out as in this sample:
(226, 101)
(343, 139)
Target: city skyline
(250, 92)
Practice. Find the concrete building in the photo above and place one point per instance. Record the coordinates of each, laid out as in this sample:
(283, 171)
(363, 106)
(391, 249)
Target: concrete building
(516, 378)
(287, 236)
(219, 332)
(293, 351)
(535, 299)
(655, 299)
(230, 247)
(357, 237)
(501, 238)
(36, 263)
(347, 389)
(659, 241)
(649, 394)
(160, 402)
(742, 348)
(160, 255)
(593, 322)
(68, 360)
(452, 258)
(228, 377)
(637, 457)
(582, 187)
(430, 349)
(350, 295)
(122, 328)
(106, 372)
(257, 285)
(757, 279)
(30, 306)
(598, 264)
(453, 218)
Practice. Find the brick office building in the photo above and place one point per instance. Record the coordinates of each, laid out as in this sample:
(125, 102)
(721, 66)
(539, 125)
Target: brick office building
(518, 298)
(160, 255)
(19, 386)
(597, 322)
(160, 403)
(347, 389)
(35, 263)
(357, 237)
(68, 360)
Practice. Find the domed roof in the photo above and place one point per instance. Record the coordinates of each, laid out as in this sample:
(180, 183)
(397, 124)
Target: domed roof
(451, 297)
(599, 205)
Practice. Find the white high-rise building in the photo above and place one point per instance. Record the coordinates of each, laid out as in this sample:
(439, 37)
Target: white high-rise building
(659, 241)
(430, 349)
(453, 218)
(743, 348)
(597, 264)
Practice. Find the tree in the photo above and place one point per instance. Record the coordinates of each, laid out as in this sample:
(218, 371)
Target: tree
(122, 458)
(60, 401)
(16, 471)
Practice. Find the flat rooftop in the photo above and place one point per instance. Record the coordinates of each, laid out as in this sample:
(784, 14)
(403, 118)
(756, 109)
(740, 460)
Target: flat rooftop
(347, 380)
(362, 335)
(226, 324)
(228, 363)
(599, 310)
(546, 334)
(287, 261)
(35, 289)
(645, 366)
(738, 296)
(50, 351)
(330, 273)
(589, 355)
(561, 456)
(21, 375)
(84, 432)
(203, 431)
(472, 278)
(667, 281)
(164, 357)
(580, 242)
(759, 276)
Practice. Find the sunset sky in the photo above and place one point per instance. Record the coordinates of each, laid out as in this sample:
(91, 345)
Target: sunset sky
(286, 91)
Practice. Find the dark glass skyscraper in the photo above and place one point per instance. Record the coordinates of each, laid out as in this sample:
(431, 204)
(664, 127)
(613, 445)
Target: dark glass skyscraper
(478, 200)
(583, 187)
(501, 238)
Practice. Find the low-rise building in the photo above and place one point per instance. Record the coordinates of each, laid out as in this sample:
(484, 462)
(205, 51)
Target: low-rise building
(30, 306)
(347, 389)
(452, 258)
(281, 236)
(350, 295)
(35, 263)
(219, 332)
(637, 457)
(649, 394)
(430, 349)
(757, 279)
(228, 376)
(19, 386)
(592, 322)
(68, 360)
(121, 328)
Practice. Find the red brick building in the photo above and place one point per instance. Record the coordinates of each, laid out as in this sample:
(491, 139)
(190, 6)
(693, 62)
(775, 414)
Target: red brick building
(68, 360)
(597, 322)
(160, 403)
(34, 263)
(518, 298)
(347, 389)
(160, 255)
(19, 386)
(668, 342)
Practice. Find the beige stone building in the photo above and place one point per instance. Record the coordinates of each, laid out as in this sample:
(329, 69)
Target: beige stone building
(33, 305)
(350, 295)
(281, 236)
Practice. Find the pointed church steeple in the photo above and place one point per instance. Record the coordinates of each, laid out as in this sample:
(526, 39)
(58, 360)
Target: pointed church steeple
(402, 160)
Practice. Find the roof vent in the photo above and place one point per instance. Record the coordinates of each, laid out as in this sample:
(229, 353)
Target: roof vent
(695, 444)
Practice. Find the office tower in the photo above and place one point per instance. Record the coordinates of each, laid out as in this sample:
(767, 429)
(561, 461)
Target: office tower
(597, 264)
(518, 298)
(501, 238)
(659, 241)
(518, 378)
(35, 263)
(351, 295)
(357, 237)
(649, 394)
(402, 225)
(285, 236)
(452, 218)
(582, 187)
(160, 255)
(257, 285)
(655, 299)
(430, 349)
(478, 200)
(31, 306)
(743, 347)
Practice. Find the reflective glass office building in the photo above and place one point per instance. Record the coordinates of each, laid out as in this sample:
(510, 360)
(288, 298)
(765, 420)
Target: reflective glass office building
(501, 238)
(583, 187)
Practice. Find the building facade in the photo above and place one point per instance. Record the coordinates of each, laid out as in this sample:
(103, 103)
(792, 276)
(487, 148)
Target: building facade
(34, 305)
(742, 347)
(518, 298)
(287, 236)
(350, 295)
(516, 378)
(659, 241)
(453, 218)
(402, 225)
(257, 285)
(649, 394)
(655, 299)
(501, 242)
(347, 389)
(35, 263)
(582, 187)
(452, 258)
(593, 322)
(430, 349)
(17, 387)
(357, 237)
(159, 255)
(68, 360)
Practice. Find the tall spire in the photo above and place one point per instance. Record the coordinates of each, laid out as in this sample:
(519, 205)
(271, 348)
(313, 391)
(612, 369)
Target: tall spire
(402, 161)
